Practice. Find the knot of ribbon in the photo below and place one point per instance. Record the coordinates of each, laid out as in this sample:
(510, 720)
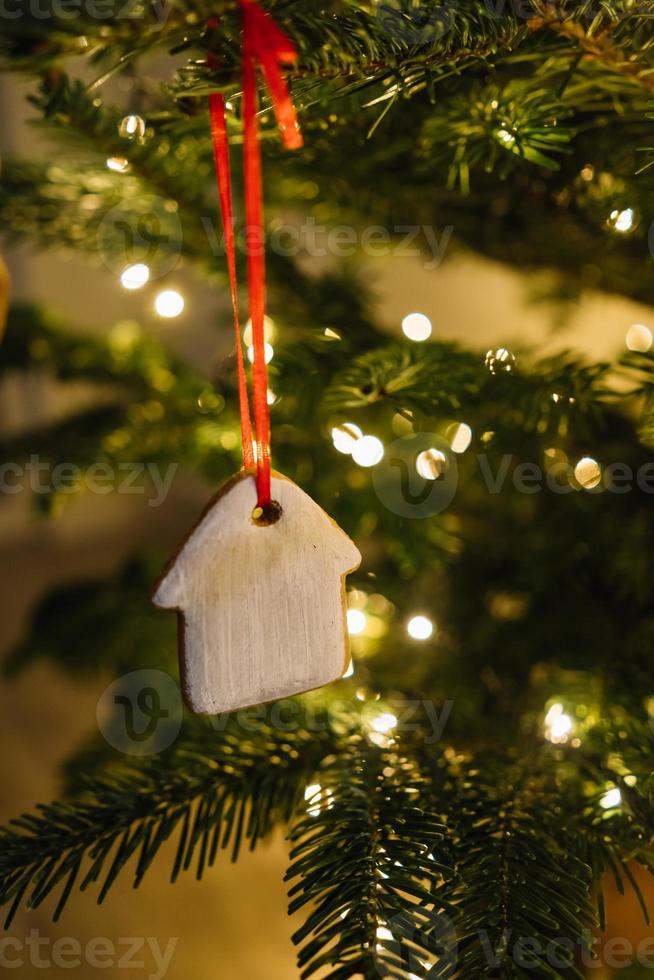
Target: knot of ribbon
(266, 47)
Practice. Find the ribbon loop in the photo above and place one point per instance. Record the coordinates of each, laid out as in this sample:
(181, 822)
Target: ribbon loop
(266, 46)
(265, 43)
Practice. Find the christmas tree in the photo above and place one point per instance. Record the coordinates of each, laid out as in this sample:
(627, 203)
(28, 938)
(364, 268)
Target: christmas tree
(456, 805)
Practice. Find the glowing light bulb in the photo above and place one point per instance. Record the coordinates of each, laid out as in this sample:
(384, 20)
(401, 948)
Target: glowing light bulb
(504, 136)
(420, 628)
(135, 276)
(588, 473)
(500, 359)
(622, 221)
(611, 799)
(313, 796)
(268, 353)
(132, 127)
(368, 451)
(384, 722)
(460, 438)
(271, 397)
(350, 669)
(431, 464)
(558, 725)
(356, 621)
(639, 338)
(416, 326)
(118, 164)
(268, 331)
(345, 437)
(169, 303)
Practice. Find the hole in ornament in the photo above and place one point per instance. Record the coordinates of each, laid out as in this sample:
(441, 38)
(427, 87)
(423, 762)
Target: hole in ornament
(267, 515)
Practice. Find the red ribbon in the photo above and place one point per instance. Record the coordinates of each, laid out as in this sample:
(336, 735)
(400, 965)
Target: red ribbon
(264, 45)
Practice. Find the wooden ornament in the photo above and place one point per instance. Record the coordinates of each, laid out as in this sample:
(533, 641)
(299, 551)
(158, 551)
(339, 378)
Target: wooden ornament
(262, 609)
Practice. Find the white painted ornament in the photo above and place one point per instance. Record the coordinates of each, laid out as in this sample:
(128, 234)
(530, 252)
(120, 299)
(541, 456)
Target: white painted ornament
(262, 608)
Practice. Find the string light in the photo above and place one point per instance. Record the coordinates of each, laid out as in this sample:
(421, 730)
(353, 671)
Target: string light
(345, 437)
(384, 722)
(417, 327)
(504, 136)
(169, 303)
(639, 338)
(420, 628)
(558, 725)
(460, 437)
(356, 621)
(268, 331)
(588, 473)
(268, 353)
(132, 127)
(135, 276)
(316, 797)
(611, 799)
(431, 464)
(118, 164)
(368, 451)
(622, 221)
(500, 359)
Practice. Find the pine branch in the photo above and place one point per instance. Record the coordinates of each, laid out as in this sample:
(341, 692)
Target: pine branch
(219, 790)
(370, 862)
(550, 396)
(521, 897)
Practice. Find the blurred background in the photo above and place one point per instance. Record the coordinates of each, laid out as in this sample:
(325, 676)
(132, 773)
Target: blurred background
(233, 924)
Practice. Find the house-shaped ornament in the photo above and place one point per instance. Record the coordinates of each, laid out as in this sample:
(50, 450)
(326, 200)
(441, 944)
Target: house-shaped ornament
(262, 611)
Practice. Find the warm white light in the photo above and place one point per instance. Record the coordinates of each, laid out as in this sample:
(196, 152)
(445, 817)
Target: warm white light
(135, 276)
(169, 303)
(384, 723)
(622, 221)
(461, 438)
(639, 338)
(118, 164)
(268, 331)
(268, 353)
(420, 628)
(350, 669)
(506, 137)
(558, 725)
(588, 473)
(416, 326)
(271, 397)
(500, 359)
(368, 451)
(431, 464)
(313, 796)
(384, 933)
(611, 799)
(356, 621)
(132, 127)
(345, 437)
